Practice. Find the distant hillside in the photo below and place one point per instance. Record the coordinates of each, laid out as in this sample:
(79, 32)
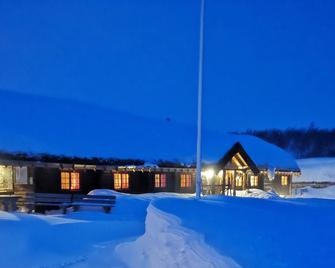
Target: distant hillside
(303, 142)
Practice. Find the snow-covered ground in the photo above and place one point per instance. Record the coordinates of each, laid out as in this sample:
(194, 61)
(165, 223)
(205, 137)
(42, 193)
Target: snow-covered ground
(316, 169)
(310, 192)
(169, 230)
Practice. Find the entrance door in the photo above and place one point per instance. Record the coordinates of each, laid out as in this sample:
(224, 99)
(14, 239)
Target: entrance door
(6, 179)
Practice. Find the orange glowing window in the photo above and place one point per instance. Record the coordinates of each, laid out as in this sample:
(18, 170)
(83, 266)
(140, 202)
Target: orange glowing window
(185, 180)
(70, 181)
(65, 180)
(75, 181)
(160, 180)
(121, 181)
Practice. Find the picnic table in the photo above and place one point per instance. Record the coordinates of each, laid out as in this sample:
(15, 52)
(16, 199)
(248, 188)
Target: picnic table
(8, 202)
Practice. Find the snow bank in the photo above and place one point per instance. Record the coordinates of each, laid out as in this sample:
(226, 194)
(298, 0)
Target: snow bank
(255, 193)
(310, 192)
(166, 243)
(316, 169)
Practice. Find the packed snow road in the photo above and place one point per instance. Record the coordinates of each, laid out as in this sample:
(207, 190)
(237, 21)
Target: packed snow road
(166, 230)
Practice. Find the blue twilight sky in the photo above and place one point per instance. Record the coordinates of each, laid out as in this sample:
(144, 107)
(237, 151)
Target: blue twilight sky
(267, 63)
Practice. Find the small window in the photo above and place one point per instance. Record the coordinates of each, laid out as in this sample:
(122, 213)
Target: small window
(253, 181)
(117, 181)
(125, 181)
(75, 181)
(121, 181)
(185, 180)
(65, 181)
(160, 180)
(238, 181)
(21, 175)
(284, 180)
(70, 181)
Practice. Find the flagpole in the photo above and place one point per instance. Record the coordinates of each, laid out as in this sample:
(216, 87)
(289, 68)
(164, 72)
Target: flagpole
(200, 85)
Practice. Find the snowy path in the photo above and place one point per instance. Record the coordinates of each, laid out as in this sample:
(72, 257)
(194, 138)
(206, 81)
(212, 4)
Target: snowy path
(169, 231)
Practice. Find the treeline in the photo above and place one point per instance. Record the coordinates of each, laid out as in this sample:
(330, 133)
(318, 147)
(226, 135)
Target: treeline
(301, 142)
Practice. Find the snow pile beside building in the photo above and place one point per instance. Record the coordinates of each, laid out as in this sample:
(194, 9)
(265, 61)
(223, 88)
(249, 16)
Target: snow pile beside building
(166, 243)
(316, 169)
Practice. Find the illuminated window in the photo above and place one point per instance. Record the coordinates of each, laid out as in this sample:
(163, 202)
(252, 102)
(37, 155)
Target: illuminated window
(160, 180)
(70, 181)
(238, 181)
(75, 181)
(229, 177)
(117, 181)
(284, 180)
(125, 181)
(65, 180)
(121, 181)
(6, 178)
(253, 181)
(185, 180)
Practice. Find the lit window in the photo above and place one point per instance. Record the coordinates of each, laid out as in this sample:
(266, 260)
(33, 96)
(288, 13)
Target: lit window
(185, 180)
(160, 180)
(238, 181)
(70, 181)
(253, 181)
(125, 181)
(75, 181)
(284, 180)
(65, 180)
(121, 181)
(229, 177)
(117, 181)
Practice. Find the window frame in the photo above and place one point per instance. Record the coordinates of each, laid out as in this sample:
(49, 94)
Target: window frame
(284, 180)
(254, 181)
(121, 181)
(70, 181)
(160, 180)
(185, 180)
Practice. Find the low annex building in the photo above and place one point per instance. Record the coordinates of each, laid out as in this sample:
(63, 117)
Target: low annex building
(244, 163)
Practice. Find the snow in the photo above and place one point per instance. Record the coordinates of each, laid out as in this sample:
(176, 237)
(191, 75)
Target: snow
(169, 230)
(316, 169)
(58, 241)
(93, 134)
(167, 244)
(310, 192)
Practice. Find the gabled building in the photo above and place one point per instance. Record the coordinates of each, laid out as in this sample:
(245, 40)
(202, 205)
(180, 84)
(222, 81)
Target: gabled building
(237, 170)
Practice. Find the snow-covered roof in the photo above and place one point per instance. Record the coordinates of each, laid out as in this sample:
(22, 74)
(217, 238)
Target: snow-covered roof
(45, 125)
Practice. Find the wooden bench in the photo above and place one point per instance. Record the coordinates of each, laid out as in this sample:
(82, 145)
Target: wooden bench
(104, 201)
(62, 201)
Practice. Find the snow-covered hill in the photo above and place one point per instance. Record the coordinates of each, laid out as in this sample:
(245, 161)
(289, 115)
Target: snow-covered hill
(40, 124)
(317, 170)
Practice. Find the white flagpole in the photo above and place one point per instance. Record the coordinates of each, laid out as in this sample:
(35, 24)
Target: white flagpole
(200, 85)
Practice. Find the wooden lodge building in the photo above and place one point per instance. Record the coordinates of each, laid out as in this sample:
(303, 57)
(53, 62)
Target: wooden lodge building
(236, 170)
